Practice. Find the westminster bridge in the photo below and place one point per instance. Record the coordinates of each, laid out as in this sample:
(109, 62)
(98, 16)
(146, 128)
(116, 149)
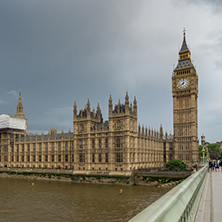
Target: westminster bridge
(198, 199)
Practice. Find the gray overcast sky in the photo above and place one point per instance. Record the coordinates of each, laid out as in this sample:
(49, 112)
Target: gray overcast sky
(60, 51)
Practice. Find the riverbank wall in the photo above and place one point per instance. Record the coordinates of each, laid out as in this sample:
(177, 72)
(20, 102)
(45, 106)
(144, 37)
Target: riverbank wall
(158, 179)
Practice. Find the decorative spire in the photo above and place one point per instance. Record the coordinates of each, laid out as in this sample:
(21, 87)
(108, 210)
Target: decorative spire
(184, 47)
(75, 110)
(127, 99)
(98, 111)
(19, 112)
(184, 61)
(119, 104)
(135, 105)
(110, 102)
(88, 107)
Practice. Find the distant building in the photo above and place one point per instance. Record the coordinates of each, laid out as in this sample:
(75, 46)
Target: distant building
(118, 145)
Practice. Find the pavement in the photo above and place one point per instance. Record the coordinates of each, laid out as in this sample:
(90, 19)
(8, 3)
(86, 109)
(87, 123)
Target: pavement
(210, 209)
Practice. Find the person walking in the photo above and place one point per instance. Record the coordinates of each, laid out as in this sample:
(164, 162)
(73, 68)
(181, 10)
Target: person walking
(220, 165)
(213, 165)
(210, 166)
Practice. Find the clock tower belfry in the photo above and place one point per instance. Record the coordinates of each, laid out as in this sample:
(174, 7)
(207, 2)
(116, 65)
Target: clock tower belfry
(185, 120)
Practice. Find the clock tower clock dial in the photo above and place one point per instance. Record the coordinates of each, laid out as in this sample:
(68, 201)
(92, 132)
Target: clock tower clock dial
(183, 83)
(185, 94)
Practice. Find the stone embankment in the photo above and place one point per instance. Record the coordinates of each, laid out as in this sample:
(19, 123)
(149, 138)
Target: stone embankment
(158, 179)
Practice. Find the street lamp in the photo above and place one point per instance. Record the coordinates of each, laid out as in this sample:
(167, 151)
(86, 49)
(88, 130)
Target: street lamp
(203, 155)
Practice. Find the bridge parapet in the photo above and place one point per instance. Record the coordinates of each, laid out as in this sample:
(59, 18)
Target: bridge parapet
(179, 204)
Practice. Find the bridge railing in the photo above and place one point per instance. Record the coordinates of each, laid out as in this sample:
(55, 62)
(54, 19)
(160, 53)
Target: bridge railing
(179, 204)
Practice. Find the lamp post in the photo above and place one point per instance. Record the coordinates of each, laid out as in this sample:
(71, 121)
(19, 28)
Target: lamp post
(203, 155)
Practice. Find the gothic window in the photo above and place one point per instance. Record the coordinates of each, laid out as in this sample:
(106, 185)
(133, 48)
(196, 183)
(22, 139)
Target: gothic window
(46, 147)
(82, 144)
(59, 158)
(93, 143)
(34, 147)
(66, 146)
(100, 143)
(28, 148)
(106, 143)
(12, 158)
(23, 148)
(40, 147)
(46, 158)
(17, 148)
(28, 158)
(119, 157)
(100, 157)
(59, 146)
(119, 142)
(82, 157)
(187, 102)
(53, 158)
(72, 157)
(66, 158)
(33, 158)
(180, 103)
(118, 125)
(81, 128)
(52, 146)
(40, 158)
(12, 149)
(93, 158)
(107, 158)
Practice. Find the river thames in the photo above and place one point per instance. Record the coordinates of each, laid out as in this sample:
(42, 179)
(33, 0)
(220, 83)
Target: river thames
(63, 201)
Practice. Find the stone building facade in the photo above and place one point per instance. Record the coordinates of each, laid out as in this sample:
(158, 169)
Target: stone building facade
(118, 145)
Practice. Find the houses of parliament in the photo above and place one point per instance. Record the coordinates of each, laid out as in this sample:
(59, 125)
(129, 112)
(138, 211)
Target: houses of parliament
(118, 145)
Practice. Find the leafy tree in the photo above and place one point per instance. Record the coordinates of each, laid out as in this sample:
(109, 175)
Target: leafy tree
(214, 150)
(176, 164)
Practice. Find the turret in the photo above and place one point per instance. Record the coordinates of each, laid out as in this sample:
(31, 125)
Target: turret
(135, 106)
(127, 103)
(98, 111)
(19, 112)
(110, 105)
(88, 109)
(161, 131)
(75, 110)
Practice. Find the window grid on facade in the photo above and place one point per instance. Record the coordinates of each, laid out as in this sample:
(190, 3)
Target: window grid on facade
(82, 144)
(119, 157)
(82, 158)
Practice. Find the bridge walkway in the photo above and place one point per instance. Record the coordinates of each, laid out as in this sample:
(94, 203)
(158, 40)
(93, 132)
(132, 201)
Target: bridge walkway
(210, 208)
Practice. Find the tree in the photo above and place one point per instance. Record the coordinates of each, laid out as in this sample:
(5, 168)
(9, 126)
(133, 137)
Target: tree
(176, 164)
(214, 150)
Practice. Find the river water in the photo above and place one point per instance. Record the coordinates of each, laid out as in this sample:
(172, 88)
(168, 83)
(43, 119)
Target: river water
(63, 201)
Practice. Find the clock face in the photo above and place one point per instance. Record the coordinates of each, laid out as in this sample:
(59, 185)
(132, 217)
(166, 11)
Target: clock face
(183, 83)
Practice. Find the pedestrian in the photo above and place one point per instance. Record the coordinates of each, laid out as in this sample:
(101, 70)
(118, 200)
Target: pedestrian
(220, 165)
(216, 166)
(213, 165)
(210, 166)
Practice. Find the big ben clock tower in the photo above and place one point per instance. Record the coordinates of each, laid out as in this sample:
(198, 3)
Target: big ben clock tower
(185, 94)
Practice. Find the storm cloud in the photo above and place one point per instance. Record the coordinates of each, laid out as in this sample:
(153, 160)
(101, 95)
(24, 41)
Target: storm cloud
(60, 51)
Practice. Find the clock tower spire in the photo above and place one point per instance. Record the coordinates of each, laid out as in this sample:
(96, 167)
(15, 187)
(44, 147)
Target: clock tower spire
(185, 94)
